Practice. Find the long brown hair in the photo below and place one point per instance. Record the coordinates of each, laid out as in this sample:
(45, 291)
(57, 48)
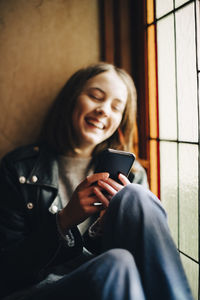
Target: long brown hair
(57, 128)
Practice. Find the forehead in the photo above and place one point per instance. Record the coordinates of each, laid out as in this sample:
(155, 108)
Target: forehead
(110, 83)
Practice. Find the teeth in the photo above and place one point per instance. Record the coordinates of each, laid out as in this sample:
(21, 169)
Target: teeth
(99, 125)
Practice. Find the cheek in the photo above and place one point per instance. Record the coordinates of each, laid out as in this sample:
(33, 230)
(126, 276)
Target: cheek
(78, 112)
(83, 107)
(116, 121)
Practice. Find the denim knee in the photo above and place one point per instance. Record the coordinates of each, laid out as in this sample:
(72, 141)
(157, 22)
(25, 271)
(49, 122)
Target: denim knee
(114, 275)
(110, 263)
(137, 197)
(117, 257)
(132, 211)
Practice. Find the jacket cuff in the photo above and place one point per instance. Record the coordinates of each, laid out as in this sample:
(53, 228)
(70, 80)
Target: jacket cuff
(68, 238)
(95, 230)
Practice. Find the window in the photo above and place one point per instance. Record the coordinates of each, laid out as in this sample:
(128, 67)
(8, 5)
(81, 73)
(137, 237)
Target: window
(157, 42)
(172, 30)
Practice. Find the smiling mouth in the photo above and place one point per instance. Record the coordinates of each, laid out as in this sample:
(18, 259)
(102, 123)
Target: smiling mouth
(96, 123)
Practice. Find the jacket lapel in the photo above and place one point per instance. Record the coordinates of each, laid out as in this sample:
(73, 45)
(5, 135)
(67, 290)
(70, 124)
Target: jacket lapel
(45, 170)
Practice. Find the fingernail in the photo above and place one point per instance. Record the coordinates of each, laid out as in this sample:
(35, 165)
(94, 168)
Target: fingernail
(106, 175)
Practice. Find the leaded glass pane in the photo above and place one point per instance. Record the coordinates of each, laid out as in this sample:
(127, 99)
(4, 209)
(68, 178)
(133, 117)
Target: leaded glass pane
(180, 2)
(186, 74)
(199, 103)
(192, 273)
(163, 7)
(169, 181)
(188, 199)
(198, 32)
(166, 79)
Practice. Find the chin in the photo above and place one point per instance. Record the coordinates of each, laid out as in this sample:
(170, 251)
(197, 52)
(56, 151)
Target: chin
(93, 141)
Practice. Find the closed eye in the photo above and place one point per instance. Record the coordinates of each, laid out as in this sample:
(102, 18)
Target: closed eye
(118, 108)
(95, 97)
(96, 94)
(117, 105)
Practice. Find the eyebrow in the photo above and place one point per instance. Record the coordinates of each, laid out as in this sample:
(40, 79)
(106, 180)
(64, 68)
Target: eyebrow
(96, 88)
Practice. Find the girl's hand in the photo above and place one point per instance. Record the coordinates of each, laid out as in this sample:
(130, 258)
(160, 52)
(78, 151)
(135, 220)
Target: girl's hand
(111, 186)
(81, 205)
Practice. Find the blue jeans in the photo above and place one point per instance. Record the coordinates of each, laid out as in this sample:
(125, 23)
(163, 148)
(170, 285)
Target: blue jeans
(137, 222)
(139, 259)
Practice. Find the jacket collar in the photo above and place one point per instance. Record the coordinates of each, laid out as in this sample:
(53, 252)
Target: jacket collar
(45, 170)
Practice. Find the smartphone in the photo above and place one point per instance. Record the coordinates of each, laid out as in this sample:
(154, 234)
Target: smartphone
(114, 162)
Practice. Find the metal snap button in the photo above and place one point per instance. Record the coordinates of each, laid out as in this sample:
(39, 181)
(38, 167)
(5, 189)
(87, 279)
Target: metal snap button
(30, 205)
(54, 208)
(22, 179)
(34, 179)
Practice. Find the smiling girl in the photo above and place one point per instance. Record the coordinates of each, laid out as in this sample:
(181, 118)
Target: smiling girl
(55, 242)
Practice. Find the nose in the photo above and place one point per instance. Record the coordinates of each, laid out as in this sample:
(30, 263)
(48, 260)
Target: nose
(103, 109)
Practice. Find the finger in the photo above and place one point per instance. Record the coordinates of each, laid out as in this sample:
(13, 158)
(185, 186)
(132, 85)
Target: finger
(88, 201)
(106, 186)
(93, 178)
(116, 185)
(85, 192)
(124, 180)
(91, 205)
(101, 197)
(93, 209)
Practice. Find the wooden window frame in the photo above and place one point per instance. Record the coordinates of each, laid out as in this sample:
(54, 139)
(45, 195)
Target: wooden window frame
(124, 44)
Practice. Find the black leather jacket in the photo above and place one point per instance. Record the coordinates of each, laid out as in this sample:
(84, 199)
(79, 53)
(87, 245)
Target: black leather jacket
(29, 238)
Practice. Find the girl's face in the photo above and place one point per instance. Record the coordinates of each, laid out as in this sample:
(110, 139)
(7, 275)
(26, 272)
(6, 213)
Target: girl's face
(99, 109)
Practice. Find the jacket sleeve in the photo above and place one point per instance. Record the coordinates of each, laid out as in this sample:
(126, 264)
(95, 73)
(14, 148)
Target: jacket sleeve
(25, 250)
